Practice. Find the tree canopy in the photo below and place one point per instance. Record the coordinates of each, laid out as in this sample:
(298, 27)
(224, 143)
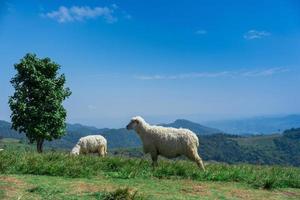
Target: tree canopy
(36, 105)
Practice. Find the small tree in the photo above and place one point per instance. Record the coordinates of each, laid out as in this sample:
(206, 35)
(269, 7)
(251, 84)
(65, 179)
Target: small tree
(36, 105)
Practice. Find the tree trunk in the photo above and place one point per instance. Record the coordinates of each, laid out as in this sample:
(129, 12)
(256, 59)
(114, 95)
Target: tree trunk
(39, 145)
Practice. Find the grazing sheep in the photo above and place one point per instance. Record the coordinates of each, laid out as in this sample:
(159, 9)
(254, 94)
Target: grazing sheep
(168, 142)
(91, 144)
(1, 149)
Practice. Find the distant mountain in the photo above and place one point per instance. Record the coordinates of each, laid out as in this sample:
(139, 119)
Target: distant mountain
(74, 132)
(117, 138)
(81, 128)
(197, 128)
(257, 125)
(283, 149)
(6, 132)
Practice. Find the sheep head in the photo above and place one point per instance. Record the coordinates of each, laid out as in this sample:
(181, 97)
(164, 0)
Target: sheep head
(135, 122)
(76, 150)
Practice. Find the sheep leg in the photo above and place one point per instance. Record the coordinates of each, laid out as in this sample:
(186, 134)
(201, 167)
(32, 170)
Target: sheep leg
(200, 162)
(105, 150)
(101, 151)
(154, 157)
(193, 155)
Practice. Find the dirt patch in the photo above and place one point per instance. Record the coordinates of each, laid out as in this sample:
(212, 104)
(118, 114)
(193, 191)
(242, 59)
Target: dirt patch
(81, 187)
(199, 189)
(7, 188)
(9, 179)
(190, 187)
(10, 186)
(240, 194)
(84, 187)
(256, 194)
(290, 194)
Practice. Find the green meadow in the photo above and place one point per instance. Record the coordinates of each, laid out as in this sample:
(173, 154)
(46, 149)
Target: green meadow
(25, 174)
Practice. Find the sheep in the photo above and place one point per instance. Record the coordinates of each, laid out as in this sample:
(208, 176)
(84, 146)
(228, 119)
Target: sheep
(1, 149)
(167, 142)
(90, 144)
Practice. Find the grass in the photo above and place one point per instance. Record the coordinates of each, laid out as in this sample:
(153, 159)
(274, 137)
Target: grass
(30, 187)
(25, 174)
(61, 164)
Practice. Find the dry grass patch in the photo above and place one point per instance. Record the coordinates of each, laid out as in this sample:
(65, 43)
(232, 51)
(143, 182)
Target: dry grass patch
(11, 187)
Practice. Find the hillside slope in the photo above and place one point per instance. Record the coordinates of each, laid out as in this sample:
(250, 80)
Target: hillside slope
(280, 149)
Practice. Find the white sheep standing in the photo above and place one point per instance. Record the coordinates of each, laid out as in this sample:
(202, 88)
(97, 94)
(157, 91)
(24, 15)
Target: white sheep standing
(168, 142)
(91, 144)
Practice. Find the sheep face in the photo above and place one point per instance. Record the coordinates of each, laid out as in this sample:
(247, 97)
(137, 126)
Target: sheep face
(74, 153)
(132, 124)
(76, 150)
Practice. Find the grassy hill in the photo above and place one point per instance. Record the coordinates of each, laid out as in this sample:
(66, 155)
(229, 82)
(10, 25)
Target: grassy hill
(282, 149)
(24, 174)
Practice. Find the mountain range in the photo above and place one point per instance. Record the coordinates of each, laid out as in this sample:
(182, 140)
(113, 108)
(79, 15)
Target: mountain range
(281, 148)
(122, 138)
(195, 127)
(117, 138)
(257, 125)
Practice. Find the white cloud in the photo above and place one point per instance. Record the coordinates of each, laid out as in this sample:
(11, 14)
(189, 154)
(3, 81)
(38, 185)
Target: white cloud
(81, 13)
(201, 32)
(254, 34)
(245, 73)
(266, 72)
(184, 76)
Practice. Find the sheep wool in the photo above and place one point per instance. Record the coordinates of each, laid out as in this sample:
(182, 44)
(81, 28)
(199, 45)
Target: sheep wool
(167, 142)
(91, 144)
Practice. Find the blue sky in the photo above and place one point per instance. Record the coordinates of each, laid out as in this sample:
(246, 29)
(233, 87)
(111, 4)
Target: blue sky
(200, 60)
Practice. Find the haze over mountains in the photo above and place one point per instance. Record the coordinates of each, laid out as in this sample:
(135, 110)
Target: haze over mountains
(195, 127)
(215, 144)
(257, 125)
(121, 138)
(282, 149)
